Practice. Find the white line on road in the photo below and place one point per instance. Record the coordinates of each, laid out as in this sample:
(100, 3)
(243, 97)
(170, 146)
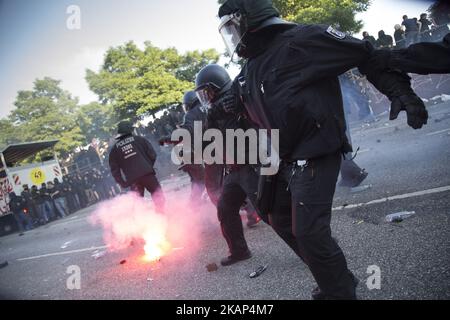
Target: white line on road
(437, 132)
(397, 197)
(62, 253)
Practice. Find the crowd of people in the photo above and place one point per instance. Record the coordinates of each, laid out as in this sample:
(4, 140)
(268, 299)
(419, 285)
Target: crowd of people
(410, 31)
(163, 126)
(56, 199)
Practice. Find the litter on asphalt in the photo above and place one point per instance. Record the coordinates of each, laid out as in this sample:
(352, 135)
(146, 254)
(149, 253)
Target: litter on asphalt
(258, 271)
(399, 216)
(361, 188)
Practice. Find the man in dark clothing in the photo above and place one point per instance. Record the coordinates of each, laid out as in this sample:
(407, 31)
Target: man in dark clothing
(57, 193)
(32, 210)
(38, 201)
(78, 186)
(399, 36)
(411, 30)
(241, 180)
(425, 30)
(289, 83)
(18, 207)
(196, 172)
(367, 37)
(384, 40)
(131, 160)
(47, 204)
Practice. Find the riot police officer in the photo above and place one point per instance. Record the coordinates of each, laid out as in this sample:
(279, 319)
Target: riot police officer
(289, 82)
(196, 172)
(240, 180)
(132, 160)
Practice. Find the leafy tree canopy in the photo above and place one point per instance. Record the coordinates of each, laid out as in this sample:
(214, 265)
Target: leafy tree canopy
(138, 82)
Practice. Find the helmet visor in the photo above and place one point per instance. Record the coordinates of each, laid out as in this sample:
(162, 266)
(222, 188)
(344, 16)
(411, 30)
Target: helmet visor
(206, 95)
(229, 29)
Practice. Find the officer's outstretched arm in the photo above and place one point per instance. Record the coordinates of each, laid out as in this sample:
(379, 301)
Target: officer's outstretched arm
(329, 53)
(421, 58)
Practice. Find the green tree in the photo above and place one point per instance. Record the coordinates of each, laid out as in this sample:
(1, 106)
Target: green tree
(138, 82)
(8, 133)
(46, 112)
(96, 120)
(339, 13)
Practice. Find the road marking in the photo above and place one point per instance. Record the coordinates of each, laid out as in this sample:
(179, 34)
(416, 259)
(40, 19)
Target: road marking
(62, 253)
(397, 197)
(437, 132)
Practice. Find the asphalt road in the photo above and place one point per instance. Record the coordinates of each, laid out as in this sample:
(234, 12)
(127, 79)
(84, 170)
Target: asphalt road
(413, 256)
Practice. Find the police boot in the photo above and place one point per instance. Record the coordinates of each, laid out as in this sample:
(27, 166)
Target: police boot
(316, 294)
(232, 259)
(351, 174)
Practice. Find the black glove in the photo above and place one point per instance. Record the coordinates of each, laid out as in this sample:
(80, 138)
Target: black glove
(229, 102)
(415, 110)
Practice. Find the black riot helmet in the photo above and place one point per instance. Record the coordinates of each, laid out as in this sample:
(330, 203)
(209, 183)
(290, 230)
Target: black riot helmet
(124, 128)
(189, 100)
(239, 18)
(211, 82)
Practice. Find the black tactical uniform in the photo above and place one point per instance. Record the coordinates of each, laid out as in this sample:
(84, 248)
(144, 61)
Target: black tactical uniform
(290, 83)
(240, 180)
(131, 160)
(196, 172)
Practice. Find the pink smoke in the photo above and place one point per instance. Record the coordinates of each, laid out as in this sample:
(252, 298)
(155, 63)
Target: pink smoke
(130, 219)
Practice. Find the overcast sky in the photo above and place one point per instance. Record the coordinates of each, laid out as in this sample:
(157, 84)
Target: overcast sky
(35, 41)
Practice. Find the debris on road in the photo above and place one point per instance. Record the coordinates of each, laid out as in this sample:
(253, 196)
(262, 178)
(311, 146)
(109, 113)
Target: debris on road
(66, 244)
(98, 254)
(360, 188)
(3, 264)
(212, 267)
(358, 222)
(378, 140)
(258, 271)
(399, 216)
(149, 279)
(123, 261)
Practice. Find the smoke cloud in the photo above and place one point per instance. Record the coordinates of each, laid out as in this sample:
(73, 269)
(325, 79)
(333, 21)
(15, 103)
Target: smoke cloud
(130, 219)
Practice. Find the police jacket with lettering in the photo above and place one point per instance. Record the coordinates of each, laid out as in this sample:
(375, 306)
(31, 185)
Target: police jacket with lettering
(292, 85)
(131, 158)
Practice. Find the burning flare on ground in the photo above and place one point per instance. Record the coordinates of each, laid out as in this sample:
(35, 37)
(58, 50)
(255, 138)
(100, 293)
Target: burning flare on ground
(128, 219)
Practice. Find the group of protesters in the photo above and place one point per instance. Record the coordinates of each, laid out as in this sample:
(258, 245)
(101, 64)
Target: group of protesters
(56, 199)
(410, 31)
